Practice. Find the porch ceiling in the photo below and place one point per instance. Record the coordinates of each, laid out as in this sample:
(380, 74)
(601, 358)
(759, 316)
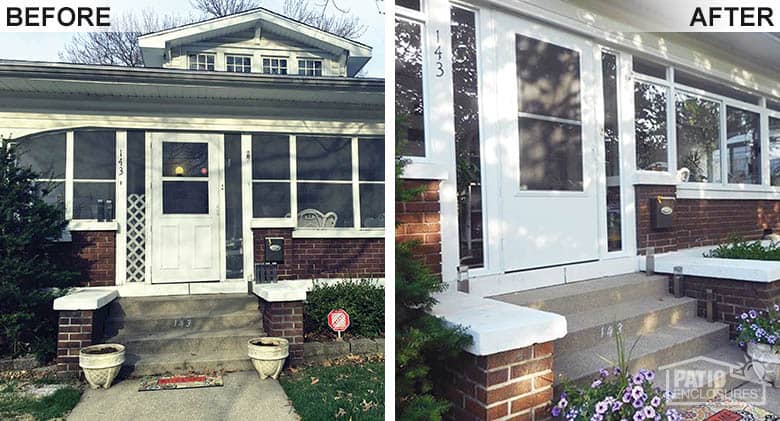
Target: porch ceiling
(55, 79)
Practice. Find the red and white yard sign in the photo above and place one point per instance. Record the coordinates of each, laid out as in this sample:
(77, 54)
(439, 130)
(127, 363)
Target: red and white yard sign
(338, 320)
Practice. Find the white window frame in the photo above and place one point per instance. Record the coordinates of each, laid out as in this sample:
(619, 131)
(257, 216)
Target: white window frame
(356, 231)
(270, 66)
(205, 56)
(306, 61)
(242, 57)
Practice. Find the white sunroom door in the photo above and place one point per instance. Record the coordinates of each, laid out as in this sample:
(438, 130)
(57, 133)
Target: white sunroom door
(185, 207)
(548, 160)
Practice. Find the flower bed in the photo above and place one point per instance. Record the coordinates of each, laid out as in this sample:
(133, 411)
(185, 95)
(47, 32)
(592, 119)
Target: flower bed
(760, 327)
(738, 248)
(615, 396)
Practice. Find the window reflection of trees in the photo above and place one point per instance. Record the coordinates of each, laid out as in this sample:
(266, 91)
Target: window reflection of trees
(409, 85)
(698, 137)
(650, 127)
(774, 151)
(612, 153)
(743, 134)
(467, 141)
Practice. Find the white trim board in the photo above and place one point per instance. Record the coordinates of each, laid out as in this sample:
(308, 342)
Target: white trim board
(693, 263)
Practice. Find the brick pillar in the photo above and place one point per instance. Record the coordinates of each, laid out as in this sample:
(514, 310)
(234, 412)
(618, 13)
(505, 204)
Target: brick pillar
(516, 383)
(285, 320)
(75, 332)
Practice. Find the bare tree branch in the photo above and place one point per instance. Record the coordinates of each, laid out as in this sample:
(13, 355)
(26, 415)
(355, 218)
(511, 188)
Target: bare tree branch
(120, 46)
(218, 8)
(341, 23)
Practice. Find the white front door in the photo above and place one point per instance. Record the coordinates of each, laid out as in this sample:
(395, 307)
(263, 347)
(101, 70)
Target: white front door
(548, 147)
(186, 227)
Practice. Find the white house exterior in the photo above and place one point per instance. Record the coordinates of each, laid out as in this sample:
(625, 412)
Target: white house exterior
(543, 133)
(244, 141)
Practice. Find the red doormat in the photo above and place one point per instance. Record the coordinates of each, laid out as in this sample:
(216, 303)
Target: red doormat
(188, 381)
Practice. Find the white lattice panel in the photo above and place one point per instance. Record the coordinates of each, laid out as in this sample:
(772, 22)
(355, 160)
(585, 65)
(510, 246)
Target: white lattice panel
(136, 237)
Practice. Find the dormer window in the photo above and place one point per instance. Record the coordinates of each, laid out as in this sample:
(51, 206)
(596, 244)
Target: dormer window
(201, 61)
(310, 67)
(275, 66)
(238, 64)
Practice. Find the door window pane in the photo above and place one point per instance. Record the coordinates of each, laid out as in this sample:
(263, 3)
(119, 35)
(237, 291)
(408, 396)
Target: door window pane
(409, 86)
(86, 197)
(612, 153)
(467, 142)
(331, 201)
(270, 200)
(44, 154)
(182, 159)
(371, 159)
(550, 155)
(650, 127)
(548, 78)
(743, 142)
(324, 158)
(698, 137)
(94, 155)
(774, 150)
(372, 205)
(187, 197)
(234, 255)
(270, 157)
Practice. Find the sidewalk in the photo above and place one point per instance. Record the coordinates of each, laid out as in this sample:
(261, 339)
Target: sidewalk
(243, 397)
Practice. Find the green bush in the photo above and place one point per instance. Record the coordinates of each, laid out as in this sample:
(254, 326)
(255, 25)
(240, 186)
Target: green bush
(739, 248)
(29, 262)
(363, 300)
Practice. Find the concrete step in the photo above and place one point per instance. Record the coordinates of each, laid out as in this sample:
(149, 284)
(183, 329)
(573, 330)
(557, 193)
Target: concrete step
(181, 305)
(633, 318)
(134, 326)
(583, 296)
(141, 364)
(666, 345)
(186, 341)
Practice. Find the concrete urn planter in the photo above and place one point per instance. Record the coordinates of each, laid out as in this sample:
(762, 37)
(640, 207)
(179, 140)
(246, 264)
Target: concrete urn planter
(101, 363)
(765, 362)
(268, 355)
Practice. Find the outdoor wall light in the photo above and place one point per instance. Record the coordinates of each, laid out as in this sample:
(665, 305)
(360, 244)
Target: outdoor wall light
(179, 171)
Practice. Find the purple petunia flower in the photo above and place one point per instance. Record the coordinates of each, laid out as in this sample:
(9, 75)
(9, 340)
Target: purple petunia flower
(563, 403)
(627, 397)
(649, 412)
(595, 384)
(597, 417)
(743, 316)
(602, 407)
(616, 406)
(639, 378)
(655, 401)
(616, 371)
(673, 415)
(604, 372)
(637, 392)
(555, 411)
(639, 416)
(649, 375)
(638, 404)
(752, 314)
(777, 307)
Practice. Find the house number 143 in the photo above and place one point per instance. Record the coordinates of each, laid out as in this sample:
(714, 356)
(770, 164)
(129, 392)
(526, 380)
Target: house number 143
(438, 53)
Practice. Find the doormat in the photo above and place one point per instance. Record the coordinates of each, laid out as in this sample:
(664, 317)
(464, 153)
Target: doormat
(725, 409)
(189, 381)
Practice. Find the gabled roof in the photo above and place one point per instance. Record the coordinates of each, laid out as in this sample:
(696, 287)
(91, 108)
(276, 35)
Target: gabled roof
(154, 45)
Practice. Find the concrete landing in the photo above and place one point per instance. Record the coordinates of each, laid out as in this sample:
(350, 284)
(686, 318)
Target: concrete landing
(243, 397)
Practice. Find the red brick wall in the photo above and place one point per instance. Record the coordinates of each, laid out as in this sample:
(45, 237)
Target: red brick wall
(732, 298)
(515, 383)
(420, 220)
(94, 253)
(77, 329)
(313, 258)
(285, 320)
(699, 222)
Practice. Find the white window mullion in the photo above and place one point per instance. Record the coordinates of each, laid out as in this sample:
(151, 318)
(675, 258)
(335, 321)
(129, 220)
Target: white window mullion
(764, 142)
(724, 152)
(671, 127)
(69, 175)
(293, 181)
(355, 184)
(120, 206)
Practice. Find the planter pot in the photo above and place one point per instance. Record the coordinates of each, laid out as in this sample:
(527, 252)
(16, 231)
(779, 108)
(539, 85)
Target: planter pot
(101, 363)
(765, 362)
(268, 355)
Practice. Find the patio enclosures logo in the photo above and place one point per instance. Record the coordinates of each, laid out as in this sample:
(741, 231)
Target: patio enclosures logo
(55, 16)
(702, 16)
(701, 379)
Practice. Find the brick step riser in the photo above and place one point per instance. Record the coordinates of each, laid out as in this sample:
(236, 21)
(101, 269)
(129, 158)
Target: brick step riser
(173, 308)
(644, 324)
(216, 345)
(653, 288)
(681, 351)
(148, 368)
(195, 324)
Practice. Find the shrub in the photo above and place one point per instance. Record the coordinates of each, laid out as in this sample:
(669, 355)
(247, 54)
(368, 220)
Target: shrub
(28, 267)
(738, 248)
(363, 300)
(760, 327)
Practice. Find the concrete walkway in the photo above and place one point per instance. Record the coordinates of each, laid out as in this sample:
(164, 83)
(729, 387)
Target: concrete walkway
(243, 397)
